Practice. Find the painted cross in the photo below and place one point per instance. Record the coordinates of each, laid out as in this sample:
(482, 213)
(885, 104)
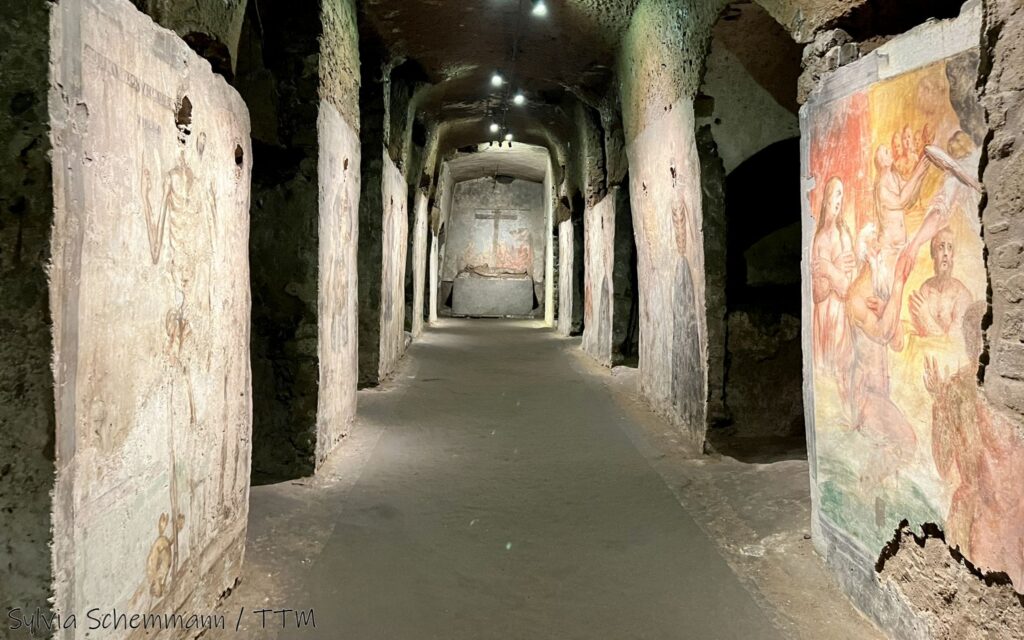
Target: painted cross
(497, 215)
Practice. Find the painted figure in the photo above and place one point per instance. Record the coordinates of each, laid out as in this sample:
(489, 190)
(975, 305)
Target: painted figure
(941, 302)
(873, 307)
(981, 456)
(833, 269)
(893, 196)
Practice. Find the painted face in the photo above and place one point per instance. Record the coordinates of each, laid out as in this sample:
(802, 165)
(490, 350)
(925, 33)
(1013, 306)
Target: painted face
(943, 253)
(908, 140)
(897, 144)
(835, 204)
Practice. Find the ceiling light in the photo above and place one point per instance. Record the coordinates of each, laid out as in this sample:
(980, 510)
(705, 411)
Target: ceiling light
(494, 127)
(508, 137)
(497, 80)
(540, 9)
(520, 99)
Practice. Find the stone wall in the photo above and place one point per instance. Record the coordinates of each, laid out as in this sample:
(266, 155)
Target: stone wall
(150, 298)
(901, 434)
(660, 65)
(472, 240)
(394, 242)
(566, 248)
(26, 345)
(599, 279)
(1003, 101)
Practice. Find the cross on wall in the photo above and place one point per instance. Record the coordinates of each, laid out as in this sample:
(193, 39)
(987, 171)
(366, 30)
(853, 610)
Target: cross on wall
(497, 215)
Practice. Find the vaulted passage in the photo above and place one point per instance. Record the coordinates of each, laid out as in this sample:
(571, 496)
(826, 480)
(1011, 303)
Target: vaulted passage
(512, 319)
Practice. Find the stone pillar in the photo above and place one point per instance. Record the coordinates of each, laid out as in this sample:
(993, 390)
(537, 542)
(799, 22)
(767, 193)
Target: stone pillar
(712, 178)
(27, 470)
(599, 248)
(549, 245)
(149, 287)
(419, 264)
(434, 264)
(371, 209)
(304, 232)
(626, 311)
(566, 274)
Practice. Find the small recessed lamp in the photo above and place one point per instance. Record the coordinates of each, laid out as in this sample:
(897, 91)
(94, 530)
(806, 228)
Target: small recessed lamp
(540, 9)
(494, 127)
(497, 80)
(508, 137)
(520, 99)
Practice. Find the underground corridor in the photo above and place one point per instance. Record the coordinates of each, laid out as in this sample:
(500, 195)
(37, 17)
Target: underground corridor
(616, 319)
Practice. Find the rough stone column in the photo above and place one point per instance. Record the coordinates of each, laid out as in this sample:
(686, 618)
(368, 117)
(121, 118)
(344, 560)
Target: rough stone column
(434, 264)
(566, 272)
(303, 238)
(383, 219)
(419, 264)
(625, 314)
(371, 216)
(26, 345)
(712, 181)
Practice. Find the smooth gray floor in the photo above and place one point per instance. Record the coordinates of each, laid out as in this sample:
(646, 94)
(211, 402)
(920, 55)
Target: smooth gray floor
(503, 500)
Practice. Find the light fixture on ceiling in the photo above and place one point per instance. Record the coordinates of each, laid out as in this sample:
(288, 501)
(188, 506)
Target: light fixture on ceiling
(519, 99)
(540, 8)
(497, 80)
(494, 127)
(508, 137)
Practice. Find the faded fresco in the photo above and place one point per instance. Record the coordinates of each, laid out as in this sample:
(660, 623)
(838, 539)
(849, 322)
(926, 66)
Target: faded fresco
(392, 295)
(666, 205)
(599, 260)
(496, 226)
(899, 294)
(338, 302)
(150, 291)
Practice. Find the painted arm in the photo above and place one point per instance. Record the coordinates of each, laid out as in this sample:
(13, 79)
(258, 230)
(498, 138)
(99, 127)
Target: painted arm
(911, 191)
(882, 327)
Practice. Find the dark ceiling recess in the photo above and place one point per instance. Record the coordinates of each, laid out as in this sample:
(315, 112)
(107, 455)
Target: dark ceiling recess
(887, 18)
(459, 45)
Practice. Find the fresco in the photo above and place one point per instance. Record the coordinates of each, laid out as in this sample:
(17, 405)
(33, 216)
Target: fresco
(497, 226)
(338, 300)
(899, 294)
(150, 291)
(666, 204)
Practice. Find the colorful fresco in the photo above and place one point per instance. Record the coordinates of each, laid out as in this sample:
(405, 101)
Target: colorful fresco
(899, 288)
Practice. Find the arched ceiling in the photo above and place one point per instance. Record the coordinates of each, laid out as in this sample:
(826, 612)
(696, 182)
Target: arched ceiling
(459, 44)
(522, 161)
